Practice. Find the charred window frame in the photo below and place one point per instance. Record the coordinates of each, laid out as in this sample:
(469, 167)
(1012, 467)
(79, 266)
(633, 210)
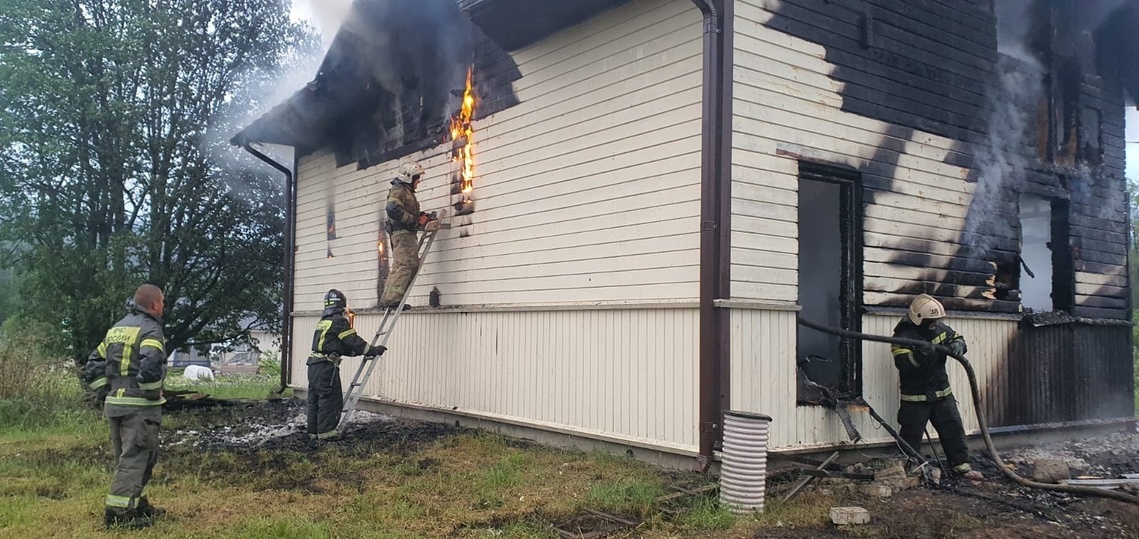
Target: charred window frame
(1063, 261)
(1053, 272)
(383, 126)
(845, 376)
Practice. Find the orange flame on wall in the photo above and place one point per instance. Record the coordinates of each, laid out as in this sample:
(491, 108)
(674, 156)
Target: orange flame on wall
(461, 128)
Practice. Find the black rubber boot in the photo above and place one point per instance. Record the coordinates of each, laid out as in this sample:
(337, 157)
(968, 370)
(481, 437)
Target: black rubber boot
(149, 511)
(129, 519)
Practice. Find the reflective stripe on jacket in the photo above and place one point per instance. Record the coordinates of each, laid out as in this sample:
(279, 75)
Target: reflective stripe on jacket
(334, 335)
(921, 371)
(134, 352)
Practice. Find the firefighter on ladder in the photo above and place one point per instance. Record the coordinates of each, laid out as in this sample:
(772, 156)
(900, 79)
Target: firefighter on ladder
(404, 220)
(926, 395)
(334, 338)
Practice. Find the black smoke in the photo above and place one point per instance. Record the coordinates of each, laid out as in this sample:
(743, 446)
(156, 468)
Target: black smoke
(401, 61)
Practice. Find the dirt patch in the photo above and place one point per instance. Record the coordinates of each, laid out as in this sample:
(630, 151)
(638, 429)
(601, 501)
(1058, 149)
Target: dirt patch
(970, 512)
(1102, 456)
(262, 445)
(280, 426)
(996, 508)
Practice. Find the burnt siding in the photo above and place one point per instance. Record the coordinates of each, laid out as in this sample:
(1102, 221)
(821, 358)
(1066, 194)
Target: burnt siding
(927, 67)
(493, 77)
(1099, 202)
(922, 65)
(1066, 372)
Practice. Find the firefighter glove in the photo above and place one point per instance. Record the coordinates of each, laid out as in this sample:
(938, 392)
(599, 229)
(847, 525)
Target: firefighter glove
(374, 351)
(958, 347)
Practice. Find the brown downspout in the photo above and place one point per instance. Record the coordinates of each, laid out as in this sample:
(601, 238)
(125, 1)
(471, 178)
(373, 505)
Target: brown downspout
(290, 243)
(715, 225)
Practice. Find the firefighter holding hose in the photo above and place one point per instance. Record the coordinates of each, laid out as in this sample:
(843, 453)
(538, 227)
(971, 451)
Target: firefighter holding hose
(926, 395)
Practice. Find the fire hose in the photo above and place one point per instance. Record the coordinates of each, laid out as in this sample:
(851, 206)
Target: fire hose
(976, 392)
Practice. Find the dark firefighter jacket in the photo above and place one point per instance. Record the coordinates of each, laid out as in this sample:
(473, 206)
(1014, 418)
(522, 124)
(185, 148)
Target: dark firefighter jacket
(922, 370)
(335, 337)
(402, 208)
(95, 377)
(135, 361)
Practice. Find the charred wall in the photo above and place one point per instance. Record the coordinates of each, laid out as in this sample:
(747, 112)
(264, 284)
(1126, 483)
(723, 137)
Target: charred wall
(920, 67)
(917, 64)
(395, 73)
(934, 67)
(1047, 122)
(1060, 369)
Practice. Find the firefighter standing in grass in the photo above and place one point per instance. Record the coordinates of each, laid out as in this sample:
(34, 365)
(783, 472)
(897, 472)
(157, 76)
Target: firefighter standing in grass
(334, 338)
(404, 220)
(94, 374)
(134, 359)
(926, 395)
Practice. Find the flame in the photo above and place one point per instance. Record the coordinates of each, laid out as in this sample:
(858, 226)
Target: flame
(461, 128)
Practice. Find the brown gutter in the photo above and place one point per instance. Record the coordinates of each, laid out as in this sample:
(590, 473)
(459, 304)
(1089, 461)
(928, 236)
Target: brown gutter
(715, 223)
(290, 247)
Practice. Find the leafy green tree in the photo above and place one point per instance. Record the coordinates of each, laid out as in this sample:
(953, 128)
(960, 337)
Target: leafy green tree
(114, 166)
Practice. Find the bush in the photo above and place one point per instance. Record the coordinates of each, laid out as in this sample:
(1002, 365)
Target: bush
(269, 364)
(36, 389)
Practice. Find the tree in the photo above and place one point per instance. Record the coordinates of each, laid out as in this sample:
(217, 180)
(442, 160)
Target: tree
(115, 170)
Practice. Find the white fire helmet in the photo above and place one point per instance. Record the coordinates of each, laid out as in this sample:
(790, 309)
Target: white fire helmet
(925, 307)
(409, 171)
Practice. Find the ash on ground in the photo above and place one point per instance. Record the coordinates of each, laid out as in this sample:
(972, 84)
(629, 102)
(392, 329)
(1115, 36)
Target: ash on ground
(259, 425)
(1106, 456)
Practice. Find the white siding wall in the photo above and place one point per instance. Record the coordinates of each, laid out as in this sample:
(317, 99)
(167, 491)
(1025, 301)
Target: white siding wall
(588, 190)
(786, 106)
(763, 376)
(626, 374)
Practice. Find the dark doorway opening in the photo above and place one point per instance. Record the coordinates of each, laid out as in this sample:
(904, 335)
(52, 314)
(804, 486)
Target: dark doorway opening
(829, 279)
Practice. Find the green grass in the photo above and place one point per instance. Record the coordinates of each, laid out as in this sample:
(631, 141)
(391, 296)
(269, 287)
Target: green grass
(235, 386)
(280, 528)
(628, 495)
(468, 485)
(706, 514)
(520, 530)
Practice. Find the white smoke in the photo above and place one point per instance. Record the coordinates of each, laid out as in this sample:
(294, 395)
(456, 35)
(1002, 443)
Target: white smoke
(1012, 98)
(1132, 137)
(325, 15)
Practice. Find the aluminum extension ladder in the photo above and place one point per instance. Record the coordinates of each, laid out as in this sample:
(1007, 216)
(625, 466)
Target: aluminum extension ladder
(387, 325)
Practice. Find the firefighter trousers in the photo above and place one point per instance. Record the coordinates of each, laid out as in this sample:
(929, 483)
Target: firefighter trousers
(325, 399)
(946, 419)
(134, 446)
(405, 255)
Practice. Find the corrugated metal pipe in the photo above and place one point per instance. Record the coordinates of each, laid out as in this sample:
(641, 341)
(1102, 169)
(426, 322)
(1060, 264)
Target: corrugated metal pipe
(743, 466)
(981, 421)
(290, 238)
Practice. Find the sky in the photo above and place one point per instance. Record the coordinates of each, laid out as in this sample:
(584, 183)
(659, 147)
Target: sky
(325, 15)
(1132, 144)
